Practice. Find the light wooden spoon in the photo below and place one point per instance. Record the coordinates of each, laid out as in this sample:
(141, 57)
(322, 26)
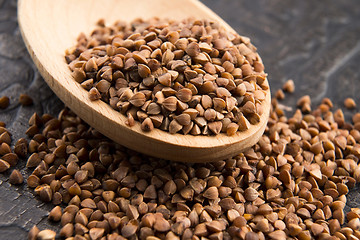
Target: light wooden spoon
(50, 27)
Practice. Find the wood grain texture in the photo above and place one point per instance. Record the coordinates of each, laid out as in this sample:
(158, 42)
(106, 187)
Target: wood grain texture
(49, 29)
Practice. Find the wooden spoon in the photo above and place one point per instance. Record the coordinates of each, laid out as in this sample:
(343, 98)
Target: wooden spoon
(50, 27)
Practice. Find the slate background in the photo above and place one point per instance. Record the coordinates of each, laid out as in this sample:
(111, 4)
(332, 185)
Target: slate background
(315, 43)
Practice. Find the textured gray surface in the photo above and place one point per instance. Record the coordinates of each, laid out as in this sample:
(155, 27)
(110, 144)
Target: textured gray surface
(316, 43)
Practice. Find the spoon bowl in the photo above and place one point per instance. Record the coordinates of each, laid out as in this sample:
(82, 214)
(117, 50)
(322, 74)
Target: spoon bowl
(49, 28)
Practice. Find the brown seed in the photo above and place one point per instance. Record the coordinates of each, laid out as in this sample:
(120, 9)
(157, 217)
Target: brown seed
(174, 127)
(46, 235)
(202, 58)
(81, 176)
(181, 44)
(5, 138)
(200, 230)
(88, 203)
(316, 229)
(243, 123)
(55, 214)
(193, 49)
(349, 103)
(34, 231)
(45, 193)
(10, 158)
(279, 94)
(94, 94)
(67, 230)
(278, 234)
(206, 101)
(167, 56)
(232, 129)
(227, 203)
(114, 222)
(183, 119)
(207, 87)
(264, 209)
(289, 86)
(246, 69)
(103, 86)
(117, 63)
(250, 194)
(303, 212)
(4, 166)
(303, 101)
(90, 65)
(184, 95)
(170, 103)
(130, 64)
(150, 192)
(219, 104)
(187, 193)
(211, 193)
(79, 75)
(74, 189)
(132, 212)
(210, 114)
(139, 58)
(222, 92)
(130, 120)
(21, 149)
(215, 127)
(25, 100)
(147, 125)
(354, 224)
(4, 102)
(81, 218)
(219, 44)
(96, 233)
(16, 177)
(108, 195)
(130, 229)
(251, 236)
(138, 99)
(165, 79)
(4, 148)
(169, 187)
(33, 181)
(339, 215)
(153, 109)
(263, 225)
(215, 226)
(161, 225)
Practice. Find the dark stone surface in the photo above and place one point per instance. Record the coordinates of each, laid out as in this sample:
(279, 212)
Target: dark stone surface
(315, 43)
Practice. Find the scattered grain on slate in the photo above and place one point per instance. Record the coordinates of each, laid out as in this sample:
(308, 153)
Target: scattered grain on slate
(157, 72)
(291, 185)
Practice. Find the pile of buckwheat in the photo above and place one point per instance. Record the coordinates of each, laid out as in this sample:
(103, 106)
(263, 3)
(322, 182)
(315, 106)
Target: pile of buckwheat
(191, 77)
(291, 185)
